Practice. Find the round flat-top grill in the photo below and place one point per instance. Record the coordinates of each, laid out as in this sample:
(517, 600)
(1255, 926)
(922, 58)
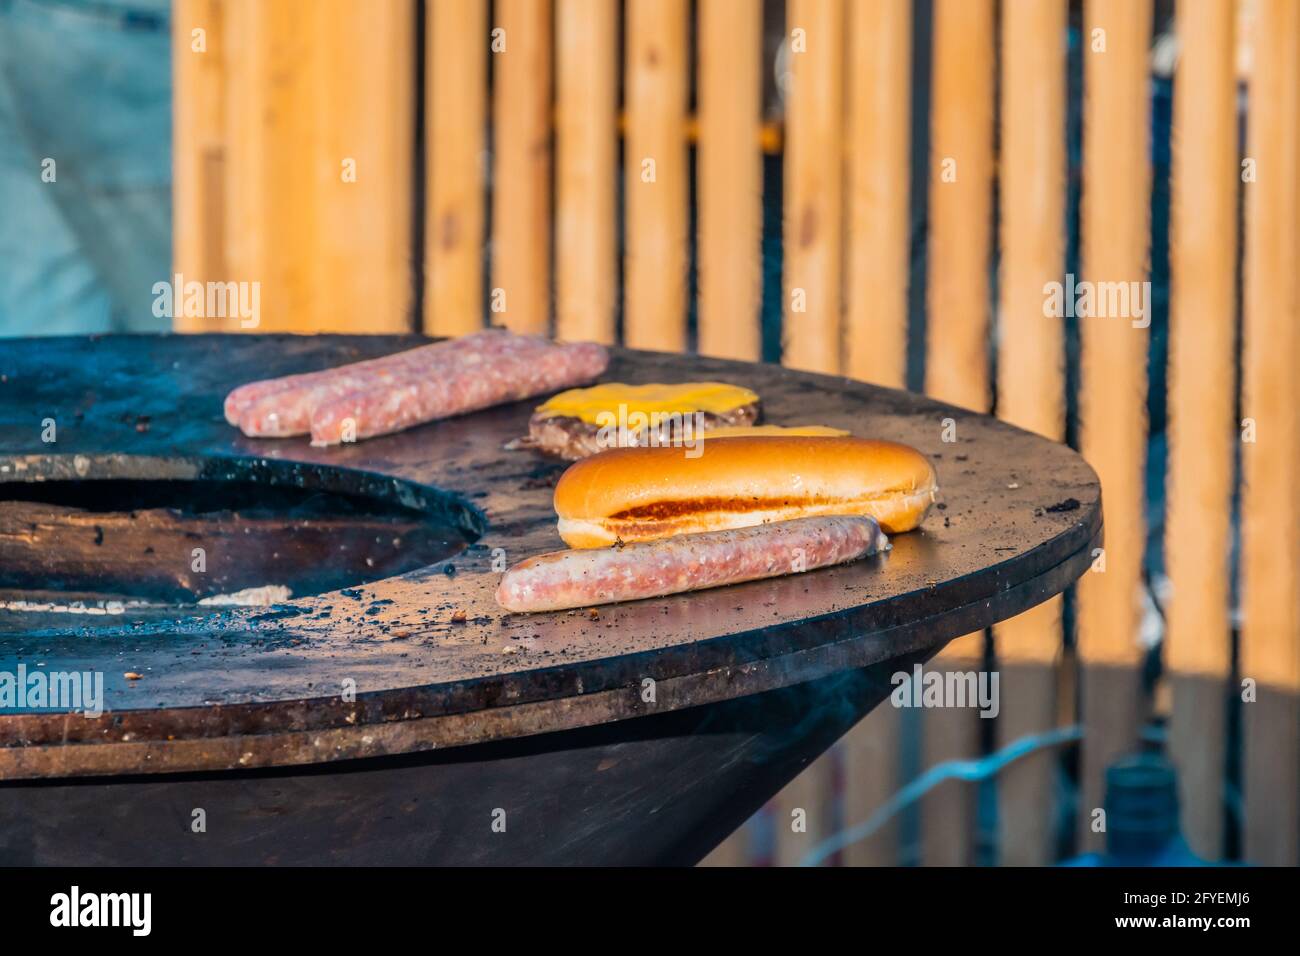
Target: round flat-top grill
(402, 719)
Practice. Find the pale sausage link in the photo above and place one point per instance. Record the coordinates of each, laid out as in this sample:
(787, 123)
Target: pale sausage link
(688, 562)
(238, 401)
(280, 407)
(468, 386)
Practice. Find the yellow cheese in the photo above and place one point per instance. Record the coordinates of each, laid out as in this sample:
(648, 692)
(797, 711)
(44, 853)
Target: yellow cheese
(773, 431)
(589, 404)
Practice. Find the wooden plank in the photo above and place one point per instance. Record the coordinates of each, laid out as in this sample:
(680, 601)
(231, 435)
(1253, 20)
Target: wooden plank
(951, 733)
(250, 228)
(808, 799)
(1112, 403)
(730, 176)
(871, 777)
(813, 185)
(1027, 804)
(521, 181)
(1247, 12)
(961, 203)
(1271, 728)
(1030, 386)
(1202, 430)
(1197, 745)
(655, 181)
(280, 209)
(1031, 346)
(1028, 649)
(1270, 579)
(198, 154)
(316, 174)
(956, 364)
(456, 107)
(586, 91)
(362, 100)
(877, 155)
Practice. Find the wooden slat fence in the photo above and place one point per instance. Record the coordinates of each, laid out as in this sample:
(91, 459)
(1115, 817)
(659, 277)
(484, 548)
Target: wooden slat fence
(599, 169)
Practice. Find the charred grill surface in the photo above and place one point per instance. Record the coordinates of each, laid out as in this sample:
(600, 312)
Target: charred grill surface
(150, 541)
(436, 663)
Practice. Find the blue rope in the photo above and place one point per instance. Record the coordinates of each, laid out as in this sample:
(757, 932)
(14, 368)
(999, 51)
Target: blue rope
(971, 770)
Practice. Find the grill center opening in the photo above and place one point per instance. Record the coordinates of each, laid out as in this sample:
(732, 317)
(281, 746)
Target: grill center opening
(213, 542)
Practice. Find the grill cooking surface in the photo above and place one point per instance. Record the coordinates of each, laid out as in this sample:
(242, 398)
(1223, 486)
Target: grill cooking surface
(145, 544)
(434, 660)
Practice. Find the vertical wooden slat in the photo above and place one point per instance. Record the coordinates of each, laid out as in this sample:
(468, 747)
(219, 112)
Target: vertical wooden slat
(951, 733)
(1202, 432)
(813, 177)
(273, 218)
(1115, 213)
(456, 104)
(586, 51)
(961, 203)
(1270, 580)
(812, 792)
(251, 226)
(362, 95)
(956, 364)
(317, 85)
(655, 181)
(812, 263)
(1031, 346)
(730, 176)
(521, 182)
(1247, 11)
(1028, 656)
(871, 777)
(1030, 385)
(877, 164)
(198, 154)
(878, 243)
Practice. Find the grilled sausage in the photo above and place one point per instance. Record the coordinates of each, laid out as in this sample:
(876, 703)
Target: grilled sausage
(285, 413)
(690, 562)
(294, 390)
(507, 376)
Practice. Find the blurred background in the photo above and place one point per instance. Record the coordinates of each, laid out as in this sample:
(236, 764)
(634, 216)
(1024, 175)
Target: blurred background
(881, 189)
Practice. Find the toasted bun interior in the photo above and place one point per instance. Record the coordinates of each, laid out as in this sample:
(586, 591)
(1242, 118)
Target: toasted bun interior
(634, 494)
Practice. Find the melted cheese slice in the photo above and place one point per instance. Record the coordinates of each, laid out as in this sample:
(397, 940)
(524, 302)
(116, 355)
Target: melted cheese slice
(587, 404)
(773, 431)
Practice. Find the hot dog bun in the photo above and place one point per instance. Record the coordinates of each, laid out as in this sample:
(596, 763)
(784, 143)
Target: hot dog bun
(639, 494)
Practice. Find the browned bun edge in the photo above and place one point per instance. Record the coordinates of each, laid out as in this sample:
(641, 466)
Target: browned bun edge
(643, 493)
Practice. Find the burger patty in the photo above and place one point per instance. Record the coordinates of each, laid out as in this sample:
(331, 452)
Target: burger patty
(572, 438)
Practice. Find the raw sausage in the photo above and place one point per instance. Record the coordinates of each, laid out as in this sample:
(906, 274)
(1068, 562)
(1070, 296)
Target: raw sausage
(472, 383)
(689, 562)
(280, 408)
(286, 412)
(241, 398)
